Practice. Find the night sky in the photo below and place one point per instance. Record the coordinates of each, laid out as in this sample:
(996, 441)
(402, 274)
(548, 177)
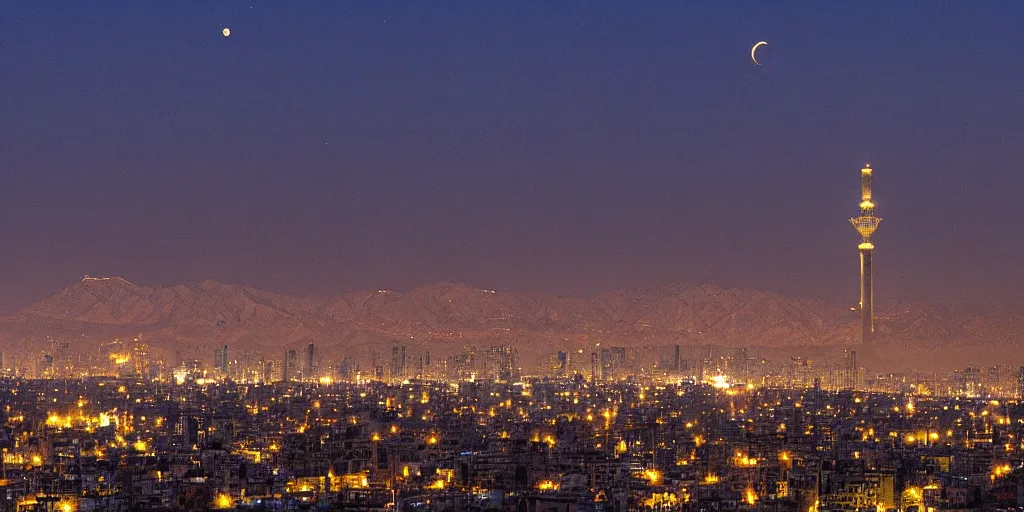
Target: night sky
(557, 148)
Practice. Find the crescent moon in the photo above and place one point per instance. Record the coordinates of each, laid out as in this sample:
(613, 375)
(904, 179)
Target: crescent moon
(754, 50)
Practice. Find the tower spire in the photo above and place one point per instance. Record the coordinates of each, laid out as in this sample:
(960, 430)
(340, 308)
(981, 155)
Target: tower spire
(866, 224)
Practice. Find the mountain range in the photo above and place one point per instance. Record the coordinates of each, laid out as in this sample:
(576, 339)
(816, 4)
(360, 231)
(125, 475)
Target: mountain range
(450, 316)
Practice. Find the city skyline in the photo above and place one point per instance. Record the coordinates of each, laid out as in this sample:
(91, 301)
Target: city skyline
(547, 149)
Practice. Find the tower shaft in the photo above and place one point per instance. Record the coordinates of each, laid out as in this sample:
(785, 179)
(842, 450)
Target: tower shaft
(867, 298)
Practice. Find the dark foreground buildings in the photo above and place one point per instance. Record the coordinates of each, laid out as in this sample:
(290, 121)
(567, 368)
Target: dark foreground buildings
(543, 444)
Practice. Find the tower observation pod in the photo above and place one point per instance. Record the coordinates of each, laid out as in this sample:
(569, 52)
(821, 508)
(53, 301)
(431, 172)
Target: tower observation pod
(866, 224)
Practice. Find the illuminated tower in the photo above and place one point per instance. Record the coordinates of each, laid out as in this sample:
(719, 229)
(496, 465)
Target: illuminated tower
(866, 224)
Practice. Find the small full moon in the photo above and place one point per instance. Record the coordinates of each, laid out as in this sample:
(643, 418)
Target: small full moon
(226, 31)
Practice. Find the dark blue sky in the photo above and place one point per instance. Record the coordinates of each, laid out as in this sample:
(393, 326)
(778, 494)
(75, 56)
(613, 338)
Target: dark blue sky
(565, 148)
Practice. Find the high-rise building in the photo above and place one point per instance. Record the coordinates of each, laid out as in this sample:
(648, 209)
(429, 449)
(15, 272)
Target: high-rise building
(140, 357)
(44, 368)
(348, 368)
(703, 362)
(61, 358)
(741, 371)
(866, 224)
(268, 372)
(507, 364)
(607, 363)
(309, 364)
(398, 364)
(851, 372)
(378, 366)
(220, 359)
(290, 365)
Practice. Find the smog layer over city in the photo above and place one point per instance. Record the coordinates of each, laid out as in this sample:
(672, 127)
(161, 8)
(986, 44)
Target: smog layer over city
(512, 256)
